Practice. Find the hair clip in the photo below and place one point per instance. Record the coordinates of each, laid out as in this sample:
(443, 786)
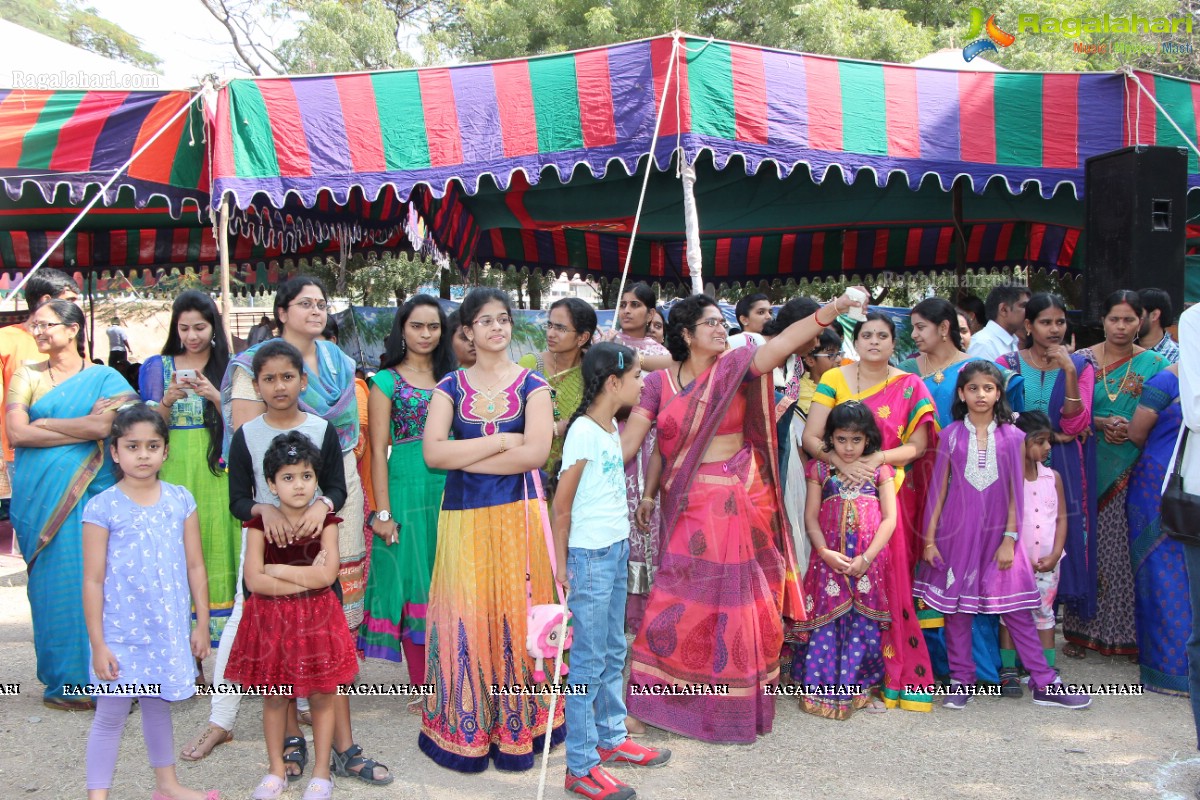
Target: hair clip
(620, 360)
(291, 451)
(1015, 416)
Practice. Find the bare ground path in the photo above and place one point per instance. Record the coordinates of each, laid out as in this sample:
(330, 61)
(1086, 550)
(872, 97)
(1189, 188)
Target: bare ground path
(1122, 747)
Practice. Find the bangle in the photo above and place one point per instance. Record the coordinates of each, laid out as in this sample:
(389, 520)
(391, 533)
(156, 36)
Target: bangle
(1010, 535)
(1073, 399)
(646, 500)
(867, 559)
(503, 443)
(931, 544)
(817, 316)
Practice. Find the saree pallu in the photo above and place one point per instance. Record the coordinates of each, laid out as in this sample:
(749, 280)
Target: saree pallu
(1112, 630)
(52, 486)
(714, 616)
(398, 582)
(352, 545)
(1075, 463)
(1162, 606)
(475, 629)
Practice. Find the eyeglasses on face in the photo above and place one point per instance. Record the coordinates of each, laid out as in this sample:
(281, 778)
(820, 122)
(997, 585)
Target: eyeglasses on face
(711, 322)
(554, 326)
(41, 327)
(486, 322)
(309, 305)
(825, 355)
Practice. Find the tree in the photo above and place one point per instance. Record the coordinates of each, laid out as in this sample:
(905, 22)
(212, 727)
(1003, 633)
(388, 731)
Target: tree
(378, 280)
(82, 27)
(331, 36)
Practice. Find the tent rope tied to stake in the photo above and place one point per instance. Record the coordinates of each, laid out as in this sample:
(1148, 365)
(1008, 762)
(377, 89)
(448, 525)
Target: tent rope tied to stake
(637, 217)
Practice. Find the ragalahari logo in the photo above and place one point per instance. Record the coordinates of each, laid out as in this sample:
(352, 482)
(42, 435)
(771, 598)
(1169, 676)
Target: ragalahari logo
(995, 35)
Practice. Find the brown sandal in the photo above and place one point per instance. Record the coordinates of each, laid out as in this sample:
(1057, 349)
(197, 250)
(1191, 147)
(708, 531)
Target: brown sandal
(196, 750)
(1074, 651)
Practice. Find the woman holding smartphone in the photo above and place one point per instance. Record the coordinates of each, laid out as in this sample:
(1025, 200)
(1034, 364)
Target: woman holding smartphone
(185, 383)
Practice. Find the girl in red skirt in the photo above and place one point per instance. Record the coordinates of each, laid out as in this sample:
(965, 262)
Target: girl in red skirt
(293, 638)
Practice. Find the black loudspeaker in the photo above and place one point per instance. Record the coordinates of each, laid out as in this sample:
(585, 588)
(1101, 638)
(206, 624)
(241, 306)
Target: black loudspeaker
(1135, 224)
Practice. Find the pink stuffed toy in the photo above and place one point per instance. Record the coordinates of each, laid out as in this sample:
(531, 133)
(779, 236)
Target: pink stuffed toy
(542, 640)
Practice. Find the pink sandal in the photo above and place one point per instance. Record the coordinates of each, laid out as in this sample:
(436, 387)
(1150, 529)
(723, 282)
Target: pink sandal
(269, 788)
(318, 789)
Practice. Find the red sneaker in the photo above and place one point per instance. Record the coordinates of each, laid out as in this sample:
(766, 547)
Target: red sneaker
(599, 785)
(630, 752)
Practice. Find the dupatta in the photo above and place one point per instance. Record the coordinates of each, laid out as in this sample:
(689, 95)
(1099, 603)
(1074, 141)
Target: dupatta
(329, 394)
(687, 424)
(51, 482)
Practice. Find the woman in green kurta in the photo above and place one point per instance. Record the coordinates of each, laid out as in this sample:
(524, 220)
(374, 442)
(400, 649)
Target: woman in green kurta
(1121, 368)
(569, 331)
(185, 381)
(408, 495)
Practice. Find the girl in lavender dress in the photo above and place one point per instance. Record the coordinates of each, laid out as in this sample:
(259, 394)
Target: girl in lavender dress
(845, 596)
(975, 502)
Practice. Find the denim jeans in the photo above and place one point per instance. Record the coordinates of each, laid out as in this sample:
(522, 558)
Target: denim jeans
(1191, 556)
(598, 582)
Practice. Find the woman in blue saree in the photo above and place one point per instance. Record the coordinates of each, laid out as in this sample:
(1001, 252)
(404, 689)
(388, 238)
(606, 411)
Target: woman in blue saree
(58, 414)
(1162, 607)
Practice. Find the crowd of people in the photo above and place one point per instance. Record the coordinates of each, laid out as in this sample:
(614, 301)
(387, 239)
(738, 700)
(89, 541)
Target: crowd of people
(724, 514)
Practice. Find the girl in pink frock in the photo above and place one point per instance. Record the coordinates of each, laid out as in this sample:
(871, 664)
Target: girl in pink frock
(976, 500)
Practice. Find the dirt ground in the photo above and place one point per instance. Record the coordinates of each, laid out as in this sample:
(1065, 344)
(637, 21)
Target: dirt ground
(1122, 747)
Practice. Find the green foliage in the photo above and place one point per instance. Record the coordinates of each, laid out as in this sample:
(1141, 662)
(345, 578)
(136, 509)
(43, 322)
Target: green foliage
(376, 280)
(343, 37)
(84, 28)
(846, 28)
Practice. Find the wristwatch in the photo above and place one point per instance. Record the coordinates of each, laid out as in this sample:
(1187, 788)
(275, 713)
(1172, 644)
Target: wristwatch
(383, 515)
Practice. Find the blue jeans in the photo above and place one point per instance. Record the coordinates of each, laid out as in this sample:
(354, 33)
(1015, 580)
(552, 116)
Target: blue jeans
(1191, 556)
(598, 582)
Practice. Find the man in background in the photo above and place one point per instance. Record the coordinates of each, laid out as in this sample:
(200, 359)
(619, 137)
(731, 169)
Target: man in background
(1005, 306)
(1159, 316)
(118, 345)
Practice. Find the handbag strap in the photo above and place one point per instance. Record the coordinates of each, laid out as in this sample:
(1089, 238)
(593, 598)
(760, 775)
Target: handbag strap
(546, 532)
(1177, 472)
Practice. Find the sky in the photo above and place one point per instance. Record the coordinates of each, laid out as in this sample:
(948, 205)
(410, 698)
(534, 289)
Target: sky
(190, 42)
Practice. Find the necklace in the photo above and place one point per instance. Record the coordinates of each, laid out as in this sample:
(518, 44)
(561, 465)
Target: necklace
(50, 372)
(1112, 396)
(858, 376)
(491, 392)
(938, 374)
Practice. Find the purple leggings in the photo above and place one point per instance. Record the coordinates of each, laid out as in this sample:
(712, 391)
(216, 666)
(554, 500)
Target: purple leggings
(105, 739)
(1025, 639)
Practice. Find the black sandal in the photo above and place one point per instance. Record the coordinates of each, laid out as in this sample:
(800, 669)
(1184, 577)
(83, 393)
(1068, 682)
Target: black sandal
(299, 757)
(343, 764)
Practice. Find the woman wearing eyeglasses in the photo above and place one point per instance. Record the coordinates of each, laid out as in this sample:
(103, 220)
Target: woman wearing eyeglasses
(727, 576)
(489, 539)
(58, 412)
(569, 331)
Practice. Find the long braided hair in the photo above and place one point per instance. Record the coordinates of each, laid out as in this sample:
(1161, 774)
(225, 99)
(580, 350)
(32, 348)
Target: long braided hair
(601, 362)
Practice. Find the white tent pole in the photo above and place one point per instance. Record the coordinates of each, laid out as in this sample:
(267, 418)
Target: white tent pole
(91, 203)
(223, 250)
(691, 224)
(637, 217)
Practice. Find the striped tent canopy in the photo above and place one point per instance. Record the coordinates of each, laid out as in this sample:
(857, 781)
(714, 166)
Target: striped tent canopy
(805, 161)
(78, 139)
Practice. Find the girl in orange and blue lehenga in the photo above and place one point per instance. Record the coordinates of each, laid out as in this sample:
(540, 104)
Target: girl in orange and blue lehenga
(502, 422)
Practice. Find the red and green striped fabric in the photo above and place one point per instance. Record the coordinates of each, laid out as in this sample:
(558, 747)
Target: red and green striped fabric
(79, 138)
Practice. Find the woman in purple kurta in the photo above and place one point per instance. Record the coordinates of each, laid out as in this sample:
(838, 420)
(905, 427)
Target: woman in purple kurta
(970, 564)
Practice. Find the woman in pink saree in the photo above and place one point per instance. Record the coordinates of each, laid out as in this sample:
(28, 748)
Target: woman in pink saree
(708, 646)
